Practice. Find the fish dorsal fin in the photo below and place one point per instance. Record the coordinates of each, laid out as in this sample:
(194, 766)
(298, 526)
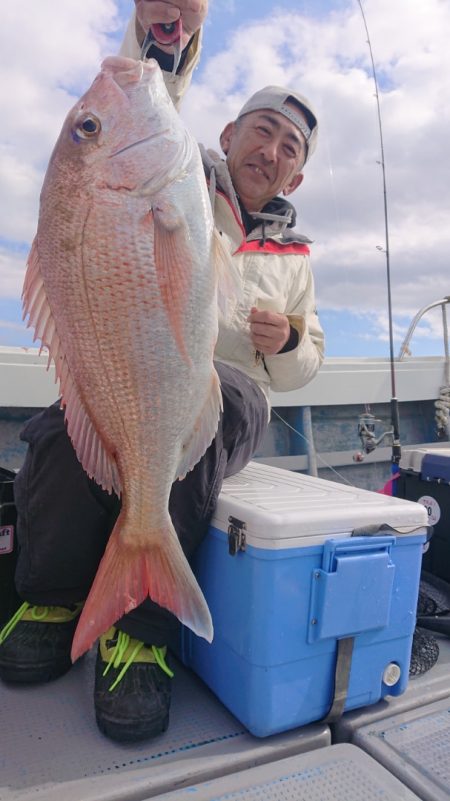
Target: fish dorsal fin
(204, 429)
(97, 462)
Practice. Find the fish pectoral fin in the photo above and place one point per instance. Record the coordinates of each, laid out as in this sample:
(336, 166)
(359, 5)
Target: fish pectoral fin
(98, 463)
(126, 576)
(173, 263)
(204, 430)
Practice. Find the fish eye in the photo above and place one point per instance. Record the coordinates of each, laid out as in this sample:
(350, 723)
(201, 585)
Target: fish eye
(88, 127)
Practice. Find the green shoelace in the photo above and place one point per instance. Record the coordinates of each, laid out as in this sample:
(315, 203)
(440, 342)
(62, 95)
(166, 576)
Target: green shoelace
(124, 643)
(52, 614)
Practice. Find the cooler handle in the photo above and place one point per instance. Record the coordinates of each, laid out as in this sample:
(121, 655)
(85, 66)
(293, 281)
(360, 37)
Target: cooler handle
(373, 530)
(352, 546)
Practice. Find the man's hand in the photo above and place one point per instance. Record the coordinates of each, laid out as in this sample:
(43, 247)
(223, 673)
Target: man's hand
(269, 331)
(192, 12)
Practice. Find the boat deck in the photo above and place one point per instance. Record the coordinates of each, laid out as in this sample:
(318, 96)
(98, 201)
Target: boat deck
(53, 750)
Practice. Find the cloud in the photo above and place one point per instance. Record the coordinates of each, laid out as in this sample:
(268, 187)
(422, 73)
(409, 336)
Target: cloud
(11, 326)
(48, 59)
(12, 271)
(428, 328)
(340, 203)
(48, 56)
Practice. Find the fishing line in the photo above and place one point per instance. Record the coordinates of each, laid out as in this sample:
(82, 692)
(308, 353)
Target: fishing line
(321, 459)
(337, 214)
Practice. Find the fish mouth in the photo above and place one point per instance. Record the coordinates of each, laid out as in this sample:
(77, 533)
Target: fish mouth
(167, 34)
(125, 71)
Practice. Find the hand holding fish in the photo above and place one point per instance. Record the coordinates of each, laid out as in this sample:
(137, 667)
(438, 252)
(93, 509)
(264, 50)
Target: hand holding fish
(163, 13)
(269, 331)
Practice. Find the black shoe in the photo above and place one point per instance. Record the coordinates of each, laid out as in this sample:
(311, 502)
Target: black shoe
(35, 644)
(132, 688)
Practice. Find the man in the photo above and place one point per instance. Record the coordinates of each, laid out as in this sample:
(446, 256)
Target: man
(270, 339)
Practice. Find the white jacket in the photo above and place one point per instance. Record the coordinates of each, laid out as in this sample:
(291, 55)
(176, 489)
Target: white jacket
(272, 262)
(273, 265)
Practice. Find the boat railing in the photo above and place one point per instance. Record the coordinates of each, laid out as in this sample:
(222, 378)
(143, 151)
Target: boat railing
(404, 349)
(442, 404)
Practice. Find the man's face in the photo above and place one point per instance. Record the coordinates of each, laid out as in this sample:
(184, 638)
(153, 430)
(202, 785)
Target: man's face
(265, 153)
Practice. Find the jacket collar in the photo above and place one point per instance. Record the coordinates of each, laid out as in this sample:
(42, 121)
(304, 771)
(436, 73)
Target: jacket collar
(271, 221)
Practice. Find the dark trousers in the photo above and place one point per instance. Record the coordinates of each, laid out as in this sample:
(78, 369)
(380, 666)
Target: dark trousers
(65, 518)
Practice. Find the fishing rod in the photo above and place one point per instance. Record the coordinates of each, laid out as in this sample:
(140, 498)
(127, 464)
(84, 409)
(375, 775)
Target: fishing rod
(367, 420)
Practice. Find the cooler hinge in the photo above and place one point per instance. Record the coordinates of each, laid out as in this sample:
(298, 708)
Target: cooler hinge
(236, 535)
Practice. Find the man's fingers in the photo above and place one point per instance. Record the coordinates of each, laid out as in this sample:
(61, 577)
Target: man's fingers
(157, 12)
(152, 11)
(269, 331)
(267, 338)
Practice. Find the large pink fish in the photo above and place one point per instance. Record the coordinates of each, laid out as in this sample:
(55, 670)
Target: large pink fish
(121, 291)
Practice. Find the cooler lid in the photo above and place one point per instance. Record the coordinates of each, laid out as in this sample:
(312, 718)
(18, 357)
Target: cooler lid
(436, 466)
(438, 458)
(285, 509)
(412, 459)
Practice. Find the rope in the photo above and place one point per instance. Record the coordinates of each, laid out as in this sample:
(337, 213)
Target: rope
(442, 406)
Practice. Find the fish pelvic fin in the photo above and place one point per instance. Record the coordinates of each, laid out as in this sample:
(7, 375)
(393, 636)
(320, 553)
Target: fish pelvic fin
(204, 429)
(91, 451)
(127, 576)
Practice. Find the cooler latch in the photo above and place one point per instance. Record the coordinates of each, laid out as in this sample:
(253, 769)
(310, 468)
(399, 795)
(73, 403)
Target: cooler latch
(236, 535)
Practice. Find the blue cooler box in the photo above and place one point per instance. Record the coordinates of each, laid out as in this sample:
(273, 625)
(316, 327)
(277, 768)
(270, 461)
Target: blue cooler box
(425, 478)
(296, 570)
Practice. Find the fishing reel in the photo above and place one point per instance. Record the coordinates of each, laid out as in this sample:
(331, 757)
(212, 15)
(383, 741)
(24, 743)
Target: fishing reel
(366, 433)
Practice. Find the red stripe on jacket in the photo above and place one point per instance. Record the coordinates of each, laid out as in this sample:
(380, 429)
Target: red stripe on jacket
(269, 246)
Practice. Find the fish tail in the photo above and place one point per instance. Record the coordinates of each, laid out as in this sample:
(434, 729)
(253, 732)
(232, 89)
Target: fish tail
(127, 576)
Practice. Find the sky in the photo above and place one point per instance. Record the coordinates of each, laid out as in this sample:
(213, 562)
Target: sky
(51, 50)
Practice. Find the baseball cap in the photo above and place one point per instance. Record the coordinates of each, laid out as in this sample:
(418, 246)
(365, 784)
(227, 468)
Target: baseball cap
(276, 98)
